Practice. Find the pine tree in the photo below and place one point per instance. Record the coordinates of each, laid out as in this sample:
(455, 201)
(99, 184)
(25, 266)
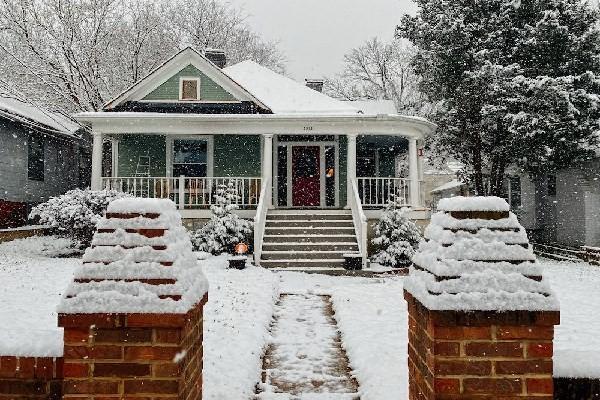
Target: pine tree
(225, 228)
(396, 236)
(517, 82)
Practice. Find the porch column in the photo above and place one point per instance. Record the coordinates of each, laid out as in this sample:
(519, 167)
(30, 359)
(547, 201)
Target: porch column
(413, 173)
(96, 183)
(267, 160)
(351, 173)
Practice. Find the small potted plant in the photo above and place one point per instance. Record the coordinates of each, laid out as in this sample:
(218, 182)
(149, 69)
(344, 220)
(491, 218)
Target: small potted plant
(238, 261)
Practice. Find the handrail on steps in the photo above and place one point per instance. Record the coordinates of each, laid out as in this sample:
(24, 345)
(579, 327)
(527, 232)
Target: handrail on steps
(260, 218)
(360, 221)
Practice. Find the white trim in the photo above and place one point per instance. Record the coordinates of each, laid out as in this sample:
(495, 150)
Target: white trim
(193, 101)
(210, 149)
(172, 66)
(114, 142)
(189, 78)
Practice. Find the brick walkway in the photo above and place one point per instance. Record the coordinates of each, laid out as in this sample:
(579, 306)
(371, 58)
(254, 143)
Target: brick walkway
(305, 359)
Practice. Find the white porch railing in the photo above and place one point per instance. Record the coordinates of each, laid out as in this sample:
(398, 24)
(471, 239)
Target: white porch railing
(187, 192)
(360, 221)
(377, 192)
(261, 218)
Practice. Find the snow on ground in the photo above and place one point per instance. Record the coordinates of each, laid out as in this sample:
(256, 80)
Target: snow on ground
(32, 286)
(236, 328)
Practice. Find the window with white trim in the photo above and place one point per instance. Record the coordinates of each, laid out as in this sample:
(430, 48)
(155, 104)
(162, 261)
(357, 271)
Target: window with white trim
(190, 157)
(189, 89)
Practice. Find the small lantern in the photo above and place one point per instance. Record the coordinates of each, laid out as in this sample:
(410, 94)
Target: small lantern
(239, 260)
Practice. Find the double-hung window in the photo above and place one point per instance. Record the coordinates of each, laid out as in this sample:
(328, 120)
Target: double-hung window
(190, 157)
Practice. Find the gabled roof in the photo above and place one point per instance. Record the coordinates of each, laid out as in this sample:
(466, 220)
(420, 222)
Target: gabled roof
(37, 117)
(185, 57)
(284, 95)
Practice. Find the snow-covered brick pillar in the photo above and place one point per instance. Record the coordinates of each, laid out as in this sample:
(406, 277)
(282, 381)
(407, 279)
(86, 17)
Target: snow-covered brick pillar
(481, 316)
(132, 317)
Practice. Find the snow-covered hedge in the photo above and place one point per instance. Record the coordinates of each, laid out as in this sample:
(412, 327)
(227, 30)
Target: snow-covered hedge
(75, 213)
(396, 237)
(225, 229)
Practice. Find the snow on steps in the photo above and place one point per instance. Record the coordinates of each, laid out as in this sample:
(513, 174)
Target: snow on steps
(308, 238)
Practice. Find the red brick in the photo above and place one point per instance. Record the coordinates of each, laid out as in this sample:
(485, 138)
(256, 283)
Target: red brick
(76, 336)
(121, 369)
(123, 335)
(462, 333)
(151, 386)
(445, 385)
(8, 366)
(76, 370)
(539, 350)
(524, 367)
(540, 386)
(463, 367)
(547, 318)
(166, 370)
(26, 368)
(525, 332)
(150, 353)
(491, 386)
(151, 233)
(446, 348)
(93, 352)
(26, 388)
(44, 368)
(90, 387)
(156, 320)
(494, 349)
(101, 320)
(167, 336)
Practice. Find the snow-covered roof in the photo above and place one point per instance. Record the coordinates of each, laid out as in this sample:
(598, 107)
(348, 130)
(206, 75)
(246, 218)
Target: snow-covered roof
(453, 184)
(476, 256)
(37, 117)
(284, 95)
(374, 107)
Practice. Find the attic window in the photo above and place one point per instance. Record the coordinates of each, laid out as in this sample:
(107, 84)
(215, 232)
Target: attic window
(189, 89)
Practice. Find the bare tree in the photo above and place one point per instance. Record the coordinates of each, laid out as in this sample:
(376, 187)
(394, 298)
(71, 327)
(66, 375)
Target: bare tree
(378, 70)
(74, 55)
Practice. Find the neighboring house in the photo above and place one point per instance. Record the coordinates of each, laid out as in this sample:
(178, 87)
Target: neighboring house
(564, 207)
(43, 154)
(292, 152)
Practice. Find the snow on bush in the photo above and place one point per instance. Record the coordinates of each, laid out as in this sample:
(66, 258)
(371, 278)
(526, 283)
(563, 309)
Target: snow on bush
(75, 213)
(225, 228)
(396, 236)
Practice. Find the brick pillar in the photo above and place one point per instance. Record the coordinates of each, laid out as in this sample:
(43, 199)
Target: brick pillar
(481, 316)
(465, 355)
(132, 317)
(131, 355)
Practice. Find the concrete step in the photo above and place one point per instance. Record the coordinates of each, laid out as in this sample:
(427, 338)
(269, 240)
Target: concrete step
(302, 255)
(312, 217)
(288, 237)
(303, 263)
(310, 231)
(295, 211)
(309, 223)
(307, 247)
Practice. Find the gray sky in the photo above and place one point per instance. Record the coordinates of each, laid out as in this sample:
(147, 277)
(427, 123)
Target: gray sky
(315, 34)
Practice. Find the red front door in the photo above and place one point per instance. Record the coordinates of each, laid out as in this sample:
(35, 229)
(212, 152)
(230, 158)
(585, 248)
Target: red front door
(306, 176)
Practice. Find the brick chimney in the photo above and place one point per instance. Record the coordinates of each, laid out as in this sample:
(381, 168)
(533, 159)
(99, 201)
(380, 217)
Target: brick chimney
(217, 56)
(315, 84)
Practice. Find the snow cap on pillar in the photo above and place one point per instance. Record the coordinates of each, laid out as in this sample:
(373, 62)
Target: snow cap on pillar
(476, 257)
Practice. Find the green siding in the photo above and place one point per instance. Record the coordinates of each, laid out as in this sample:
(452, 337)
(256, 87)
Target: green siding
(209, 89)
(237, 155)
(131, 147)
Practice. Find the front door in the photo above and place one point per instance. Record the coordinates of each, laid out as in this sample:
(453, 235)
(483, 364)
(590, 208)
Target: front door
(306, 176)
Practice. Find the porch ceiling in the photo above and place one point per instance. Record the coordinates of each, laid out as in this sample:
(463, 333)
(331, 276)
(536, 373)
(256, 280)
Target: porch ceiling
(256, 124)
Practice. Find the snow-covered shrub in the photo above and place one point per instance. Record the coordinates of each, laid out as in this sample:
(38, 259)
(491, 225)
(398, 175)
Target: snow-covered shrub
(75, 213)
(224, 229)
(396, 237)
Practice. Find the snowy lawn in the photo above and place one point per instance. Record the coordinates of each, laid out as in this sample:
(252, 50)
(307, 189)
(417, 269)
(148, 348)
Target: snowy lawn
(371, 315)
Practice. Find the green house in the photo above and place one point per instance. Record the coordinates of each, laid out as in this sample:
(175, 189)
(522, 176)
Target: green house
(291, 151)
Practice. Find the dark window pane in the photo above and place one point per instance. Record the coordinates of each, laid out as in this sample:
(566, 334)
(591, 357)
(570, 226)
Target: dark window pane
(282, 175)
(197, 170)
(330, 176)
(515, 192)
(35, 158)
(189, 151)
(307, 164)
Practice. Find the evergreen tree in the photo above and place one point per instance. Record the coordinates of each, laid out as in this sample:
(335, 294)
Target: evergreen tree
(516, 82)
(396, 236)
(224, 229)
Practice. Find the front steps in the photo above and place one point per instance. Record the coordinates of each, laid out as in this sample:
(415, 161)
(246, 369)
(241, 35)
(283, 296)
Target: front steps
(308, 239)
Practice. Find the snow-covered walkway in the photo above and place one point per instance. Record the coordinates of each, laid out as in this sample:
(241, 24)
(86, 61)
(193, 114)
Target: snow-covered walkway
(305, 359)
